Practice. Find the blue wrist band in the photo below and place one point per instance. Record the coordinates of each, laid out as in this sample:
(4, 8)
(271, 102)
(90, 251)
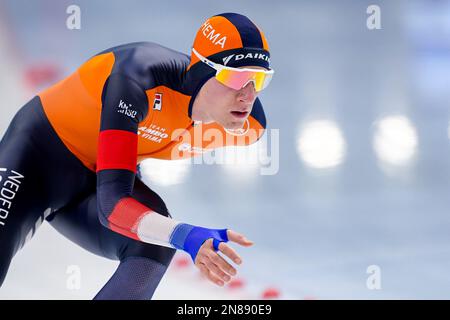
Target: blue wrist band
(190, 238)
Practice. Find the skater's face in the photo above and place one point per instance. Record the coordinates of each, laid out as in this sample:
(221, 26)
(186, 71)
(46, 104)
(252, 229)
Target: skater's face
(226, 106)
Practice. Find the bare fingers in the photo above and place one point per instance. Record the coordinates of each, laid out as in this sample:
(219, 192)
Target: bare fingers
(211, 276)
(230, 253)
(238, 238)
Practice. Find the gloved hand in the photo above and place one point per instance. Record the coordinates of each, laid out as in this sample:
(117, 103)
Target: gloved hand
(203, 245)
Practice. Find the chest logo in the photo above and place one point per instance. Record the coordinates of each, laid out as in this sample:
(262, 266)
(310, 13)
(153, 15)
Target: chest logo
(153, 133)
(157, 104)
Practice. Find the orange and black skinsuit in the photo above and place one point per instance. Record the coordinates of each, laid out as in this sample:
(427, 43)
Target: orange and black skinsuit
(71, 154)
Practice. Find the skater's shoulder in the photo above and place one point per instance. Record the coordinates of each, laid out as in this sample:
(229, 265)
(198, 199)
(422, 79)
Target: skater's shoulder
(149, 63)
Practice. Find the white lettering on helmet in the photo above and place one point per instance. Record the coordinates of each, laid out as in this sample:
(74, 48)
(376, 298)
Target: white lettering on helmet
(212, 35)
(250, 55)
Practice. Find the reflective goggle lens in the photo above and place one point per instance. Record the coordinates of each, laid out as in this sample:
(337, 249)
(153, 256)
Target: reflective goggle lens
(237, 79)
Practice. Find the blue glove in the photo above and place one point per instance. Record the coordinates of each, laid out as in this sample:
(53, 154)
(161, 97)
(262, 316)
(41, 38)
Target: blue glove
(190, 238)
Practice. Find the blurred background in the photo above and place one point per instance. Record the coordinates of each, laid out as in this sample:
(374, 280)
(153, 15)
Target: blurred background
(364, 150)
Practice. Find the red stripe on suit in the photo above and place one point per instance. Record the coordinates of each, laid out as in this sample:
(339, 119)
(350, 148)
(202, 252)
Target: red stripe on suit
(126, 215)
(117, 149)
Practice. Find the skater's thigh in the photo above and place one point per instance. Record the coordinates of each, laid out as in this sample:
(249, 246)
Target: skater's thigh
(23, 203)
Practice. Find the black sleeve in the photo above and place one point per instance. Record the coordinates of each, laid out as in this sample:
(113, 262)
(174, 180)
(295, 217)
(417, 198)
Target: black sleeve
(124, 105)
